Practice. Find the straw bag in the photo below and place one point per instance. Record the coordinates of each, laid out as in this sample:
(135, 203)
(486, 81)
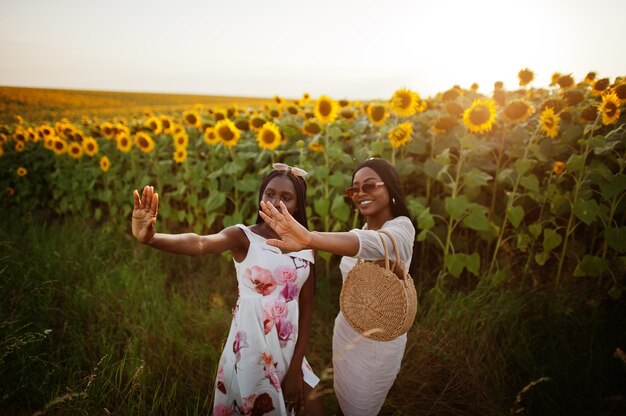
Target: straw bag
(379, 302)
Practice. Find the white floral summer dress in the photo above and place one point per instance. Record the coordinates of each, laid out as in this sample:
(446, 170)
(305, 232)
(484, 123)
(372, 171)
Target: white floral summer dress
(263, 332)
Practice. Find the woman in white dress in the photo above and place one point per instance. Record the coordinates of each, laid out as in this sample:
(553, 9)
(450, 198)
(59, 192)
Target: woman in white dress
(364, 369)
(262, 369)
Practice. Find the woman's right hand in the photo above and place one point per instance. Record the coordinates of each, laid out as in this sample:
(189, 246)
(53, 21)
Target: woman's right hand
(145, 214)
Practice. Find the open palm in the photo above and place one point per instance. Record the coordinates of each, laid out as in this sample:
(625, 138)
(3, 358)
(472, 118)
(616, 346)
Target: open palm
(294, 236)
(145, 214)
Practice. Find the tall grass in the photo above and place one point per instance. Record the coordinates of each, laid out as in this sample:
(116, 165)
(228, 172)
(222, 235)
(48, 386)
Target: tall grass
(93, 323)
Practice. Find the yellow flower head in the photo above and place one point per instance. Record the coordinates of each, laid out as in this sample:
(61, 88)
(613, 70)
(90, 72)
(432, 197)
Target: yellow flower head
(181, 140)
(256, 122)
(280, 101)
(589, 114)
(315, 146)
(123, 143)
(210, 137)
(444, 123)
(401, 134)
(144, 142)
(620, 91)
(180, 155)
(558, 167)
(91, 146)
(348, 114)
(480, 116)
(192, 118)
(600, 86)
(377, 113)
(19, 146)
(549, 122)
(60, 146)
(609, 108)
(590, 78)
(21, 171)
(166, 123)
(405, 102)
(155, 124)
(227, 132)
(75, 150)
(242, 124)
(326, 109)
(525, 76)
(311, 127)
(269, 136)
(306, 97)
(565, 81)
(517, 111)
(105, 163)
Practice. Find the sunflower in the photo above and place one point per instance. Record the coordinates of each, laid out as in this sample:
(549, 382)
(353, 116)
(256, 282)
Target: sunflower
(311, 127)
(452, 94)
(480, 116)
(105, 163)
(377, 113)
(589, 114)
(192, 118)
(181, 140)
(620, 91)
(280, 101)
(19, 147)
(60, 146)
(210, 137)
(256, 122)
(554, 79)
(144, 142)
(565, 81)
(474, 87)
(609, 108)
(1, 150)
(180, 155)
(227, 132)
(405, 102)
(220, 114)
(75, 150)
(572, 97)
(590, 78)
(275, 112)
(91, 146)
(9, 191)
(306, 97)
(155, 124)
(242, 124)
(453, 108)
(123, 143)
(555, 103)
(549, 122)
(107, 130)
(48, 143)
(269, 136)
(315, 146)
(347, 114)
(166, 123)
(558, 167)
(21, 171)
(401, 134)
(517, 111)
(600, 86)
(525, 76)
(326, 109)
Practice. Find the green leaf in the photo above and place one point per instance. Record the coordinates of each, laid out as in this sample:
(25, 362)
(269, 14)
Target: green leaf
(164, 210)
(378, 148)
(523, 240)
(468, 142)
(613, 186)
(180, 215)
(339, 180)
(616, 238)
(575, 163)
(422, 235)
(425, 220)
(591, 266)
(339, 209)
(542, 258)
(443, 158)
(476, 178)
(504, 175)
(335, 132)
(215, 201)
(454, 263)
(456, 206)
(236, 218)
(322, 206)
(476, 219)
(248, 184)
(551, 239)
(615, 292)
(432, 168)
(586, 211)
(472, 262)
(535, 230)
(193, 199)
(523, 166)
(531, 183)
(516, 215)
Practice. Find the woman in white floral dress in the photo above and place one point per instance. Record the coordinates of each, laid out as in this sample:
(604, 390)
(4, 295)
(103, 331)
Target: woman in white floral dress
(262, 369)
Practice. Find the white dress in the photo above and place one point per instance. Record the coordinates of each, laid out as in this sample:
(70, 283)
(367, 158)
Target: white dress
(365, 369)
(263, 332)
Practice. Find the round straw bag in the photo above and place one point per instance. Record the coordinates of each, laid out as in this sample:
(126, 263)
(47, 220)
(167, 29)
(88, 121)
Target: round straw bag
(379, 302)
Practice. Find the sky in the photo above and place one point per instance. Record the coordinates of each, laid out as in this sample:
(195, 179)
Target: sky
(361, 49)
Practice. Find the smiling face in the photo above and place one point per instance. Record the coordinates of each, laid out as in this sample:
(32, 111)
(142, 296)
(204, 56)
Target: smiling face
(376, 202)
(279, 189)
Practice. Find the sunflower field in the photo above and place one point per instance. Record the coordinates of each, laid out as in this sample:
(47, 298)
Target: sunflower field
(514, 191)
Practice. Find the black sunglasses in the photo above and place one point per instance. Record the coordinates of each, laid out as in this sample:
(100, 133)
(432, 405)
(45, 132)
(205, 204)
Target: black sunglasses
(365, 188)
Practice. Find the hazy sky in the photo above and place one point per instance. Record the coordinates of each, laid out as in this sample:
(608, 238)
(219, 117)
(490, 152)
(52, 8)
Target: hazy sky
(346, 49)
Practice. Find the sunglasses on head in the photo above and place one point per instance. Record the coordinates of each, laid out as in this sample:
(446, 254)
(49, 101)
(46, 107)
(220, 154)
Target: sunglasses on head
(366, 188)
(295, 171)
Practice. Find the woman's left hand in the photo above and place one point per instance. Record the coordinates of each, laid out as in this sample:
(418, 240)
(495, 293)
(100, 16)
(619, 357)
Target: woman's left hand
(294, 237)
(293, 390)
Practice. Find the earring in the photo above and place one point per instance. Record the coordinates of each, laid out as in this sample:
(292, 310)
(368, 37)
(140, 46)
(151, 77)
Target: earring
(393, 201)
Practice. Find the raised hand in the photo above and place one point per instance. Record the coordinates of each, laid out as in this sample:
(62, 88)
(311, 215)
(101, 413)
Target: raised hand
(294, 236)
(145, 214)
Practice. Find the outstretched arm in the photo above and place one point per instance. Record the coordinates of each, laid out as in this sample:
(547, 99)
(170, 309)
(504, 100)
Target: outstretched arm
(295, 237)
(190, 244)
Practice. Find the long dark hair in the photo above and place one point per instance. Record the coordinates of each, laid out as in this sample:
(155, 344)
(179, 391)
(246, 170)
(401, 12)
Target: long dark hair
(300, 186)
(390, 176)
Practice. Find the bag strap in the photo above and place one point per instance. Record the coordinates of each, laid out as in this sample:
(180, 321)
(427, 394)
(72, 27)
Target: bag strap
(382, 240)
(395, 249)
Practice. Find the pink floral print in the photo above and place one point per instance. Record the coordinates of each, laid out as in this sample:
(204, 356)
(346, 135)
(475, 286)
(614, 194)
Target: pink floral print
(289, 292)
(262, 280)
(285, 274)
